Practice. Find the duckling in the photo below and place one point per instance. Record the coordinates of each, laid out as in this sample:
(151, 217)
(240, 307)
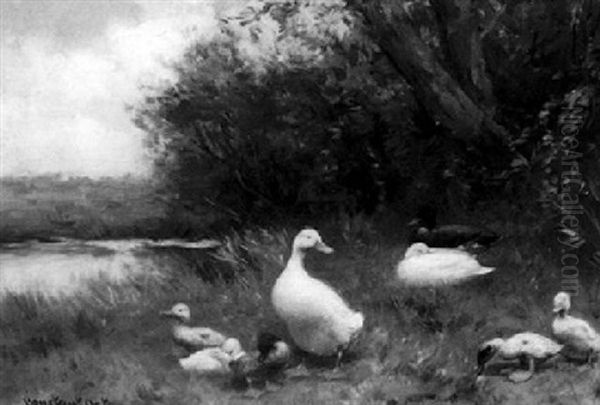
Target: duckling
(318, 319)
(527, 346)
(214, 360)
(253, 371)
(192, 338)
(424, 266)
(273, 351)
(575, 333)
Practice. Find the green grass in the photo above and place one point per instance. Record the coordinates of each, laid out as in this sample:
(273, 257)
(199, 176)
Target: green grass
(111, 344)
(45, 207)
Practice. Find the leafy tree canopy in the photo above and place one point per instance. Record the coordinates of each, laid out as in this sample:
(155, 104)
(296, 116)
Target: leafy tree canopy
(301, 106)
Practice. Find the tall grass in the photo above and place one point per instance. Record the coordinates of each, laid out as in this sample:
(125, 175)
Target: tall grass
(418, 344)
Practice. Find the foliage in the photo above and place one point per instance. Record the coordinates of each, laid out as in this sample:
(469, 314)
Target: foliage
(555, 143)
(306, 120)
(313, 107)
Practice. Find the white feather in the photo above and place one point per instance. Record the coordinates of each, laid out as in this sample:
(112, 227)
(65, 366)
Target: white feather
(318, 319)
(525, 343)
(573, 332)
(192, 336)
(424, 266)
(213, 360)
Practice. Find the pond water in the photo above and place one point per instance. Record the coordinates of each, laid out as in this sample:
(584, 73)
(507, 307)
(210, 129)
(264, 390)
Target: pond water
(66, 267)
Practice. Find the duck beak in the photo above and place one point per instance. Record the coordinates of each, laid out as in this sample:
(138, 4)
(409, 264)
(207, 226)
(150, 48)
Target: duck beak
(323, 248)
(484, 355)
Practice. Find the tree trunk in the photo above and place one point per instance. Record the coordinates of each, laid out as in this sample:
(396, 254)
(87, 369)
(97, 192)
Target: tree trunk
(460, 29)
(440, 94)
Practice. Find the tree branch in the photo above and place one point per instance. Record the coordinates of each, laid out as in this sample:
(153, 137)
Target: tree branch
(436, 90)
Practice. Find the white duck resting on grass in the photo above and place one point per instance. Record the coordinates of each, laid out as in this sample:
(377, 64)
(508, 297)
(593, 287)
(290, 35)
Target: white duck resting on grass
(573, 332)
(191, 337)
(318, 319)
(430, 267)
(526, 346)
(214, 360)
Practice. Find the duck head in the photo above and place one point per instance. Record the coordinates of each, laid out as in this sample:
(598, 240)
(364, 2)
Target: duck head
(280, 353)
(179, 311)
(486, 351)
(561, 303)
(310, 239)
(265, 343)
(422, 232)
(233, 348)
(416, 249)
(418, 230)
(272, 349)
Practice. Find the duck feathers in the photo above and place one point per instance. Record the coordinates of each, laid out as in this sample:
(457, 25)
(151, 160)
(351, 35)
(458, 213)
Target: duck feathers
(272, 349)
(318, 319)
(214, 360)
(208, 361)
(524, 343)
(197, 336)
(440, 266)
(191, 337)
(574, 332)
(317, 308)
(424, 229)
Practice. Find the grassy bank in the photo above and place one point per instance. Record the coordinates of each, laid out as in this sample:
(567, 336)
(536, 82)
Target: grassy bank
(417, 345)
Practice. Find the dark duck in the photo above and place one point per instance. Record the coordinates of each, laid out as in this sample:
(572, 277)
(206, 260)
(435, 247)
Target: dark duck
(274, 355)
(424, 229)
(272, 350)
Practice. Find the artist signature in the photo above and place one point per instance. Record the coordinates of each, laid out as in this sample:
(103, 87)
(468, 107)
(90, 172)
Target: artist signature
(56, 400)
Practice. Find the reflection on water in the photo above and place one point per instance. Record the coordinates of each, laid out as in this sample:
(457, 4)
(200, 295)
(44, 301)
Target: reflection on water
(64, 268)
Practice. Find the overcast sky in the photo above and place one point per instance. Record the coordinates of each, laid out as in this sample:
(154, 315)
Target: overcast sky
(69, 67)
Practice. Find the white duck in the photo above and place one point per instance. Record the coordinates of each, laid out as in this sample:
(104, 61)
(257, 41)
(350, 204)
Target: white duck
(527, 346)
(214, 360)
(318, 319)
(573, 332)
(425, 266)
(191, 337)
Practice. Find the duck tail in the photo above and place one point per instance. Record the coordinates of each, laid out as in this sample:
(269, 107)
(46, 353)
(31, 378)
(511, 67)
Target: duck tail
(596, 344)
(357, 322)
(485, 270)
(185, 363)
